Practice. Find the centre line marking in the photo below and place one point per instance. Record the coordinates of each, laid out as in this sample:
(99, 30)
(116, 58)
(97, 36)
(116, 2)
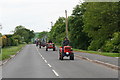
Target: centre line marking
(49, 65)
(55, 73)
(45, 61)
(43, 58)
(40, 54)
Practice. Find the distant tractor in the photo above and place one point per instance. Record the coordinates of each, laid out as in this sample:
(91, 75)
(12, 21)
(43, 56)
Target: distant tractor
(42, 44)
(50, 46)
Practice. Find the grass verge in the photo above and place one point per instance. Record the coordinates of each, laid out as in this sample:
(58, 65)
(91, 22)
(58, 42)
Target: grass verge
(12, 50)
(97, 52)
(100, 53)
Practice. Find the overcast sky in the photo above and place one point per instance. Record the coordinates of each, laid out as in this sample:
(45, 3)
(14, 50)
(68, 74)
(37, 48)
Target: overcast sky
(33, 14)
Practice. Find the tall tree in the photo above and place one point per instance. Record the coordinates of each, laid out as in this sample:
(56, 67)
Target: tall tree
(25, 34)
(101, 22)
(78, 38)
(57, 32)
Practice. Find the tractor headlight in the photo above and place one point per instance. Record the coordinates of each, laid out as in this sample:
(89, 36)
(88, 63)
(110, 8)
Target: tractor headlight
(67, 53)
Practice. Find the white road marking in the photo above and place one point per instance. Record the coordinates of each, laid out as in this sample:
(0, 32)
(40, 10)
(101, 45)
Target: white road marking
(99, 61)
(55, 73)
(40, 54)
(43, 58)
(49, 65)
(106, 63)
(117, 57)
(88, 59)
(45, 61)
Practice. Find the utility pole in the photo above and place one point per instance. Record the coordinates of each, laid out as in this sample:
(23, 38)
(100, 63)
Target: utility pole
(51, 24)
(0, 26)
(66, 20)
(0, 40)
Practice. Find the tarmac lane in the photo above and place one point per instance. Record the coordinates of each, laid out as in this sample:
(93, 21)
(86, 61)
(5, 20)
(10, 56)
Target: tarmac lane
(33, 62)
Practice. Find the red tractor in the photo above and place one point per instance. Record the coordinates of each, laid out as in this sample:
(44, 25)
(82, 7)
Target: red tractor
(42, 44)
(50, 46)
(68, 52)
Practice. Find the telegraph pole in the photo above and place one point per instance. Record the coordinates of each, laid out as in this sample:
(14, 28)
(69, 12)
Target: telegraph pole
(66, 20)
(0, 26)
(1, 41)
(51, 24)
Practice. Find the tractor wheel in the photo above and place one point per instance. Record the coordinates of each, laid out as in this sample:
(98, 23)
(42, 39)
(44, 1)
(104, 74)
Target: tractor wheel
(72, 56)
(53, 49)
(46, 49)
(40, 46)
(60, 56)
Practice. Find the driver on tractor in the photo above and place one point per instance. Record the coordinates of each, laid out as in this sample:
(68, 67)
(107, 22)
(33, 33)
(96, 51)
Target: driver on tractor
(49, 41)
(65, 43)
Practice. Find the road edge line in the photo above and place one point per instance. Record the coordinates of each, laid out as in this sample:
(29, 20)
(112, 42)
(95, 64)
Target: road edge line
(99, 62)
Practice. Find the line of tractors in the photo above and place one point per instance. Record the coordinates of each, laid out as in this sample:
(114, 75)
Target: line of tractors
(63, 51)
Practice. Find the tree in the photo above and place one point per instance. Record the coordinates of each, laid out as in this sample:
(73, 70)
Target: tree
(24, 34)
(43, 34)
(101, 22)
(57, 32)
(78, 38)
(113, 44)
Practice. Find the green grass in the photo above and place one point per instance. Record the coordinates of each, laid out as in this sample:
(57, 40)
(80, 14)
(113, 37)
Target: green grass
(97, 52)
(100, 53)
(12, 50)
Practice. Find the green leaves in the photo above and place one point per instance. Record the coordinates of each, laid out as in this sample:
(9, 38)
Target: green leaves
(23, 34)
(113, 45)
(57, 32)
(92, 26)
(78, 38)
(101, 21)
(43, 34)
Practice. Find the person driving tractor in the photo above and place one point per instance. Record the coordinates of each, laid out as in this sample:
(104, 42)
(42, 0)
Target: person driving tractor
(65, 43)
(49, 41)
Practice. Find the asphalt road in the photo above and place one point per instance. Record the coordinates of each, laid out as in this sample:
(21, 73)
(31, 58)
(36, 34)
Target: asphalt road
(106, 59)
(33, 62)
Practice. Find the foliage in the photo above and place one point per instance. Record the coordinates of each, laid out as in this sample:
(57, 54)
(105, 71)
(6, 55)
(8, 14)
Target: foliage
(78, 38)
(43, 34)
(113, 45)
(24, 34)
(21, 34)
(92, 26)
(57, 32)
(101, 22)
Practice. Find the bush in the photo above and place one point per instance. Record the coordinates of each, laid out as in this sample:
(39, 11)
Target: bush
(95, 45)
(4, 42)
(113, 45)
(14, 42)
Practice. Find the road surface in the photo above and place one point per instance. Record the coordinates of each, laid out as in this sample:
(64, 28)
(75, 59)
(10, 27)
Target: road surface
(33, 62)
